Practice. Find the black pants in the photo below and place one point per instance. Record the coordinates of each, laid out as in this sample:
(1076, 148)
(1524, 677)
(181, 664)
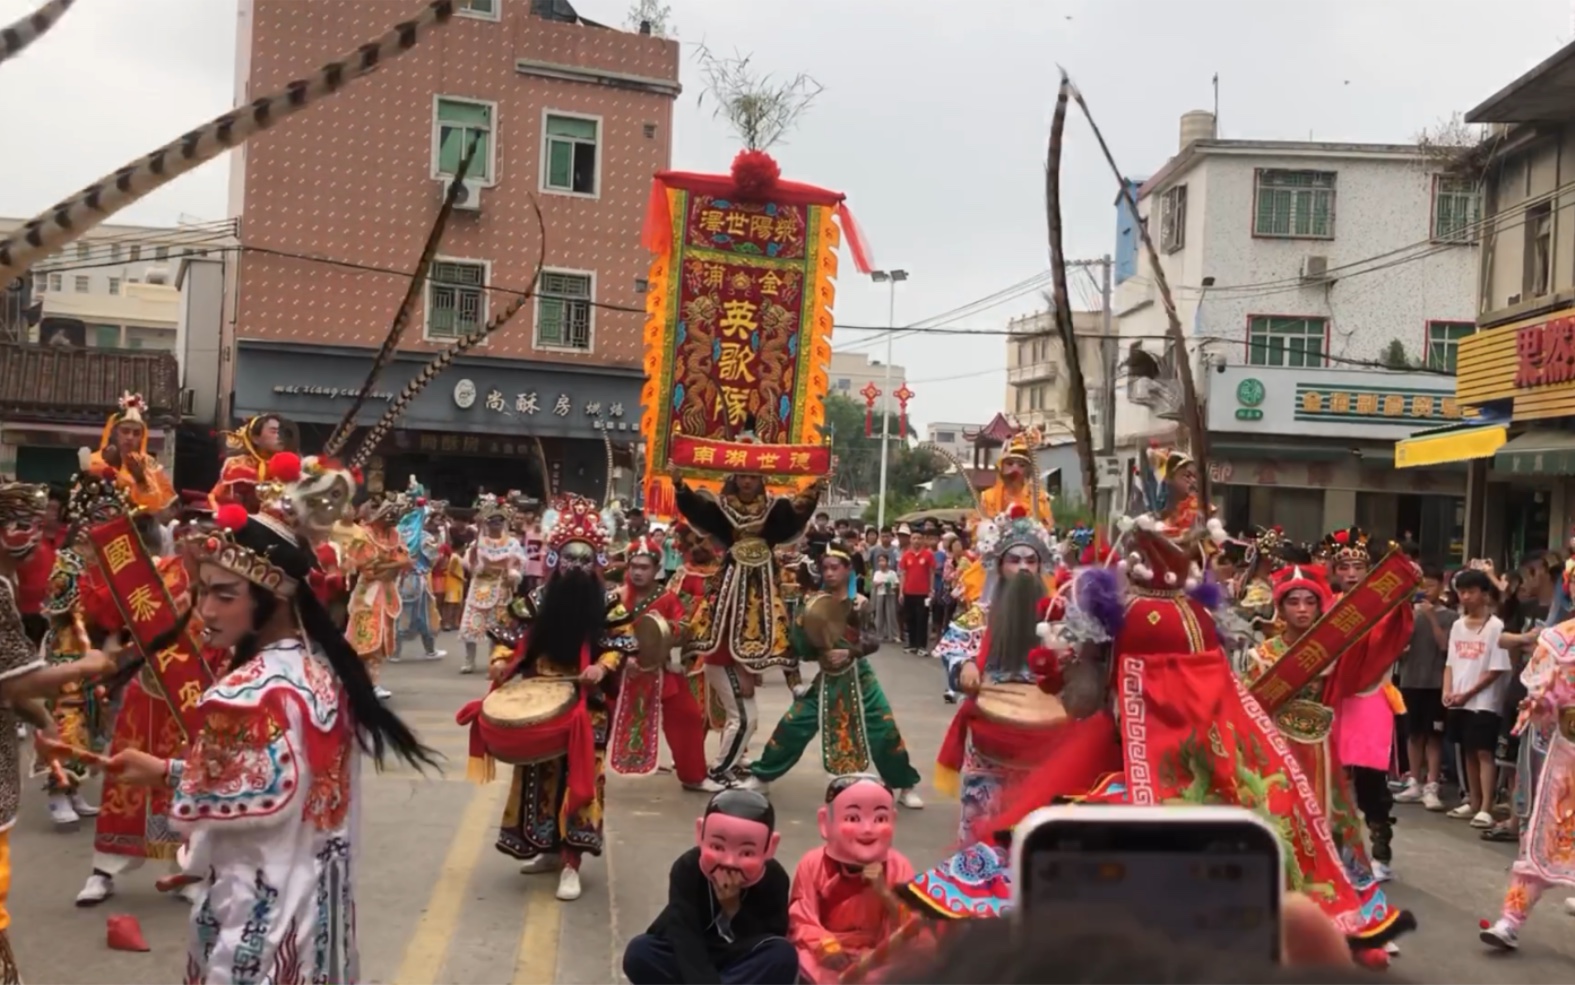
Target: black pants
(1376, 802)
(917, 619)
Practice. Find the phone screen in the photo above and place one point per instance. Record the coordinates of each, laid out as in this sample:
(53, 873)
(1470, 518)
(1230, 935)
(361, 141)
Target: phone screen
(1213, 884)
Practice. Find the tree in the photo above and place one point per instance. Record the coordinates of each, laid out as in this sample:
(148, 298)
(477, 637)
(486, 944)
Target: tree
(1456, 147)
(760, 107)
(858, 456)
(653, 13)
(1395, 356)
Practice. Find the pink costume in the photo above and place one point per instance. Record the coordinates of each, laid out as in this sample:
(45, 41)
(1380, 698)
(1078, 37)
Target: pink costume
(833, 909)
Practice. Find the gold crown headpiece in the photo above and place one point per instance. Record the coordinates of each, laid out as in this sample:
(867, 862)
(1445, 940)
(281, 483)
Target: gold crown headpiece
(222, 548)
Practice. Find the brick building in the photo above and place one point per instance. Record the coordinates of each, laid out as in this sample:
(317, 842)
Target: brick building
(576, 114)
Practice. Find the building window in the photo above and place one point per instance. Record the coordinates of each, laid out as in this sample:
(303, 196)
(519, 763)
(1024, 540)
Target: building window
(114, 285)
(1443, 342)
(486, 10)
(1457, 210)
(83, 251)
(106, 336)
(456, 299)
(55, 282)
(1539, 250)
(944, 437)
(161, 252)
(40, 281)
(1173, 219)
(81, 285)
(570, 154)
(1295, 204)
(563, 311)
(457, 123)
(844, 385)
(1297, 342)
(114, 251)
(158, 339)
(136, 253)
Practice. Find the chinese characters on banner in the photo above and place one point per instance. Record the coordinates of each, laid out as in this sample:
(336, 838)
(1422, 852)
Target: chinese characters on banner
(1387, 585)
(1545, 353)
(145, 604)
(704, 454)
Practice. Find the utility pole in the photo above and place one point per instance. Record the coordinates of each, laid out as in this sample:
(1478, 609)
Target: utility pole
(1109, 354)
(891, 278)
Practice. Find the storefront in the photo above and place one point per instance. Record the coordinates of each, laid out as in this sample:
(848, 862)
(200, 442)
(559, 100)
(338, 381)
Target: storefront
(478, 426)
(1518, 382)
(1311, 450)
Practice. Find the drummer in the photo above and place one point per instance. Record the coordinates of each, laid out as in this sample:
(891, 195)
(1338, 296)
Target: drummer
(845, 697)
(982, 754)
(553, 815)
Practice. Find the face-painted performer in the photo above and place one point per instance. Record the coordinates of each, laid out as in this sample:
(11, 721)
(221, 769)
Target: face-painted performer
(983, 755)
(249, 451)
(321, 502)
(417, 531)
(726, 918)
(553, 816)
(741, 629)
(837, 915)
(266, 795)
(377, 558)
(123, 453)
(496, 562)
(25, 677)
(654, 701)
(1014, 485)
(845, 702)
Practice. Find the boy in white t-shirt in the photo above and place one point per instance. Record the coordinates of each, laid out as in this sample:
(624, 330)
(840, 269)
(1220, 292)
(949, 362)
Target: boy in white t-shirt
(1475, 675)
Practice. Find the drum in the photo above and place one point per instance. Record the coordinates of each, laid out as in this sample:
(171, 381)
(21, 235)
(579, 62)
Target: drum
(654, 635)
(1023, 705)
(525, 722)
(824, 620)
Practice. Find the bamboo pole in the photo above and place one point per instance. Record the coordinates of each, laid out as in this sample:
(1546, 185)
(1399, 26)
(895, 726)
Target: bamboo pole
(1191, 410)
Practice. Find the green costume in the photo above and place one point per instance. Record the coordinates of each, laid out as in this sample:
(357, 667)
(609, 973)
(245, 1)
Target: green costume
(849, 709)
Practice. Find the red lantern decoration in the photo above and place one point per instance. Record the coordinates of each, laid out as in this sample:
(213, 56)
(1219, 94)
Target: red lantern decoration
(870, 393)
(903, 395)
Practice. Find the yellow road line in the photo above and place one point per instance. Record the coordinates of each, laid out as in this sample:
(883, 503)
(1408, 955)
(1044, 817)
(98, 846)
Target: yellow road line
(537, 961)
(428, 947)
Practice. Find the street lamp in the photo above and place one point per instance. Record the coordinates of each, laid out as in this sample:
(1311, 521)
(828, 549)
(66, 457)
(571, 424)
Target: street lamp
(891, 278)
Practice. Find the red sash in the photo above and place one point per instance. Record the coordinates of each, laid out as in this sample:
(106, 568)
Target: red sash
(145, 604)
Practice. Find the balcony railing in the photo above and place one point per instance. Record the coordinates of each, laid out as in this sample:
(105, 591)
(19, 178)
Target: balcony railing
(1033, 372)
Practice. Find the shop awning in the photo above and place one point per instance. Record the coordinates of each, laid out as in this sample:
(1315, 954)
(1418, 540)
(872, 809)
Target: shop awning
(1454, 443)
(1538, 452)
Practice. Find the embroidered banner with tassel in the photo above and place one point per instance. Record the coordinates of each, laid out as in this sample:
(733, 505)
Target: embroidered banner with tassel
(738, 316)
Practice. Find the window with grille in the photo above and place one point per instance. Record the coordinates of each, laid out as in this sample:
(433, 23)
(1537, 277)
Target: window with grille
(571, 155)
(114, 251)
(40, 281)
(84, 251)
(106, 336)
(1457, 210)
(114, 285)
(81, 284)
(458, 122)
(563, 311)
(1295, 204)
(1539, 250)
(482, 9)
(1173, 219)
(1443, 342)
(456, 299)
(55, 282)
(1273, 341)
(162, 252)
(136, 253)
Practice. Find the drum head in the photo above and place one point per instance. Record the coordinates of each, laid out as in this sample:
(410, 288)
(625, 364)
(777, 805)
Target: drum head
(654, 635)
(529, 701)
(1020, 704)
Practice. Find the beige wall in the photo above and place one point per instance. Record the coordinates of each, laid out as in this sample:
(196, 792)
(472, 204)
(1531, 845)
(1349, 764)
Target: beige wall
(1530, 171)
(1036, 371)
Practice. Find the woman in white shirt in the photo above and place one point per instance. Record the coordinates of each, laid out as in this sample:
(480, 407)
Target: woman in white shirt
(1475, 675)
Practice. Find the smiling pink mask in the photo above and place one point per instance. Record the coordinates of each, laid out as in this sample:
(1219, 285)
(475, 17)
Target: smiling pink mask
(741, 844)
(859, 824)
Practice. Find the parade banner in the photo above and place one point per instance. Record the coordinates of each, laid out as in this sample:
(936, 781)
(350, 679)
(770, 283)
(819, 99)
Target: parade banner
(1357, 612)
(145, 604)
(768, 460)
(738, 328)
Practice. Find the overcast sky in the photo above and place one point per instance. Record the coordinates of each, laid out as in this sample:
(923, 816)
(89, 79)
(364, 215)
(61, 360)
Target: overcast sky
(933, 119)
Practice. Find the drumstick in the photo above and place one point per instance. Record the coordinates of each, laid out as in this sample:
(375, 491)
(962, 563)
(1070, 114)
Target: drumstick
(86, 755)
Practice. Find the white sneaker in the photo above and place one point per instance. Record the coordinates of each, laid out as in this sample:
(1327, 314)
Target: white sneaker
(1382, 872)
(1482, 819)
(1502, 936)
(1411, 793)
(540, 865)
(1462, 812)
(1392, 949)
(910, 800)
(96, 890)
(62, 813)
(1430, 798)
(706, 785)
(383, 693)
(81, 806)
(569, 884)
(756, 784)
(435, 655)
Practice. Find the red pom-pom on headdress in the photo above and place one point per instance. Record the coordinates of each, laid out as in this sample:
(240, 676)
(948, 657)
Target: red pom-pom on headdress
(1017, 511)
(1342, 536)
(755, 174)
(284, 466)
(231, 516)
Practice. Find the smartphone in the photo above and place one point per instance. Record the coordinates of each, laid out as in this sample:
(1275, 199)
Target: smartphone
(1207, 875)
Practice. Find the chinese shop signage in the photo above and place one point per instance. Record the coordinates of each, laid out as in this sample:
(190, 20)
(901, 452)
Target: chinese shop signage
(1530, 363)
(1328, 403)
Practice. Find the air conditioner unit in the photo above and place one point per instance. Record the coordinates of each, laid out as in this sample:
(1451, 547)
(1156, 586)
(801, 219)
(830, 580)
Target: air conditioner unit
(1315, 268)
(469, 199)
(188, 402)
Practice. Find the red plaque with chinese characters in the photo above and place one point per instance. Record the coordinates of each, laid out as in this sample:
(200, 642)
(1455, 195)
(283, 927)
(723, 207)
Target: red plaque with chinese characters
(738, 329)
(145, 604)
(704, 454)
(1357, 612)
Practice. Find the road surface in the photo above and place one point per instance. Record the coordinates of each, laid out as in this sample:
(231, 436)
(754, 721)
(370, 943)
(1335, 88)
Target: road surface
(437, 904)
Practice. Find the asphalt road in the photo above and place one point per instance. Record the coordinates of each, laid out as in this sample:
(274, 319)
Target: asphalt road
(437, 904)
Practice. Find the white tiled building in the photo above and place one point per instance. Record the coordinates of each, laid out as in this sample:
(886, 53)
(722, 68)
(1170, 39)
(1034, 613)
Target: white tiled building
(1317, 258)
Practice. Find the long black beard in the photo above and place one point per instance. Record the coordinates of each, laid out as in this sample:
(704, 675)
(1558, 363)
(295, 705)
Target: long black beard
(1013, 620)
(572, 615)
